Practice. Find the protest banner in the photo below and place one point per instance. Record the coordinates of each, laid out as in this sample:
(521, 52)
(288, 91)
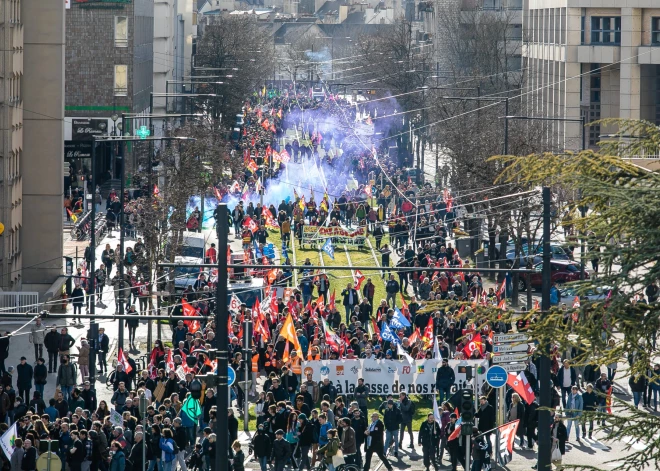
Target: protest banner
(317, 236)
(116, 418)
(395, 376)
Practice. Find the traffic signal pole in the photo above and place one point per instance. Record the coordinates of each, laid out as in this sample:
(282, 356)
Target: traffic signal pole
(221, 313)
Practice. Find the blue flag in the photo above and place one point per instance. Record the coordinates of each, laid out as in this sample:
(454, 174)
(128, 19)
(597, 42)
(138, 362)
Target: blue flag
(328, 248)
(387, 334)
(257, 251)
(399, 321)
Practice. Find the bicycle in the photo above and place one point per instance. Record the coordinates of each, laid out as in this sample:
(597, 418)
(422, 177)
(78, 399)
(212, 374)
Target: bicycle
(342, 467)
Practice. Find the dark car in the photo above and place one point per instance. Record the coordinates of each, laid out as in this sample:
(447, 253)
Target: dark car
(562, 271)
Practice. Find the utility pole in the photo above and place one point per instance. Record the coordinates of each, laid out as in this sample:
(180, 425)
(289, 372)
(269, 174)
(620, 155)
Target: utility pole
(122, 283)
(221, 313)
(544, 367)
(93, 326)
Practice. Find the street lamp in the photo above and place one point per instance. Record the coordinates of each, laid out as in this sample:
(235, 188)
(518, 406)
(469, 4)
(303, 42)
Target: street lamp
(92, 311)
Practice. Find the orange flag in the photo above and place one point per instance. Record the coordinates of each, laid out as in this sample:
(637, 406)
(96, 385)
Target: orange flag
(289, 333)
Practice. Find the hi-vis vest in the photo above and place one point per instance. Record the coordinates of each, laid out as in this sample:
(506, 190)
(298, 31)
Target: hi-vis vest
(311, 357)
(270, 359)
(255, 362)
(247, 237)
(296, 365)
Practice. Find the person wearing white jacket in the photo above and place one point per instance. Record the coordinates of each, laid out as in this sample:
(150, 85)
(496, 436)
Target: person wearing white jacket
(37, 335)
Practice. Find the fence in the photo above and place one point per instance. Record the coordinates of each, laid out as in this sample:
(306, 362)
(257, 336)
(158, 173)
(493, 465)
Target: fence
(19, 302)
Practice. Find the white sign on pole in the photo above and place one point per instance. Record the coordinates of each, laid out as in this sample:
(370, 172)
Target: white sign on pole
(510, 357)
(509, 338)
(510, 348)
(514, 367)
(115, 418)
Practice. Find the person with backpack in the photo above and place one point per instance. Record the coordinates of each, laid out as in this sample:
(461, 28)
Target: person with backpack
(169, 450)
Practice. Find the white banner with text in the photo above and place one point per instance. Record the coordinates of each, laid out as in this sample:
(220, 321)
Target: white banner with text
(395, 376)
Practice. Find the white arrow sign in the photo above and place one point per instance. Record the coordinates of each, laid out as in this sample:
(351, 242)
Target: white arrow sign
(510, 348)
(510, 338)
(513, 367)
(510, 357)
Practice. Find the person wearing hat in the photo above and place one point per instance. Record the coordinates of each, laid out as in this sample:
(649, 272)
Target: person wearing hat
(261, 447)
(281, 451)
(25, 373)
(305, 440)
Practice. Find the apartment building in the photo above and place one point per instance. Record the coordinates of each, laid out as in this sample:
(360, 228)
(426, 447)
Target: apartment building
(31, 136)
(591, 59)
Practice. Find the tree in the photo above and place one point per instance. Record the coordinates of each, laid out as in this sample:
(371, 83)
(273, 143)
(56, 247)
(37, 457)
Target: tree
(621, 225)
(242, 47)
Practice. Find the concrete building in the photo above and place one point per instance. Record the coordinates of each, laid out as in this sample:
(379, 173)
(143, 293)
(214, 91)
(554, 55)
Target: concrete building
(32, 120)
(593, 59)
(173, 42)
(109, 71)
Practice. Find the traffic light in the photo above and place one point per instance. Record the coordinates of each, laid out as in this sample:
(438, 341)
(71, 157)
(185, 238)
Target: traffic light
(467, 411)
(196, 389)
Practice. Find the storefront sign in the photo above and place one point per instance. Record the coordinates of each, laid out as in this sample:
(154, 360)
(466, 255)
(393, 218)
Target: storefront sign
(77, 150)
(395, 376)
(84, 129)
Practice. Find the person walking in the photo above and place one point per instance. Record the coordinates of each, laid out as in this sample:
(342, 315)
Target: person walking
(559, 436)
(66, 342)
(429, 439)
(25, 374)
(37, 335)
(407, 408)
(102, 347)
(392, 420)
(392, 288)
(52, 343)
(40, 376)
(83, 360)
(374, 443)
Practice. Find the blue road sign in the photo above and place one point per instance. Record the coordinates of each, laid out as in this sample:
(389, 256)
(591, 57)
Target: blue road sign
(231, 375)
(496, 376)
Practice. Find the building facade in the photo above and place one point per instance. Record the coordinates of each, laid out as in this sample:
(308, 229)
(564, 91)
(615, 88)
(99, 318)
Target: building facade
(591, 59)
(32, 119)
(109, 71)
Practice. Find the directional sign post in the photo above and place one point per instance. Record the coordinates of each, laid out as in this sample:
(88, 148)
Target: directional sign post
(510, 348)
(496, 376)
(510, 357)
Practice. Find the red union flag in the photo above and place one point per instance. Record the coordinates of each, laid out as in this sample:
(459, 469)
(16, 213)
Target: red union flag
(124, 361)
(519, 384)
(507, 435)
(189, 311)
(474, 343)
(358, 278)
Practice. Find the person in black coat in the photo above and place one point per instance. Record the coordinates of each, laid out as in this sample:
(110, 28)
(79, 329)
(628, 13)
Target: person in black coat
(52, 344)
(281, 450)
(29, 456)
(4, 351)
(429, 439)
(532, 421)
(558, 434)
(589, 404)
(486, 415)
(261, 447)
(102, 344)
(305, 440)
(135, 455)
(375, 443)
(349, 301)
(25, 373)
(456, 450)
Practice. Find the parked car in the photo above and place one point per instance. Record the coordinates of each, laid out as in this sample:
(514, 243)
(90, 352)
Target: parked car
(187, 276)
(562, 271)
(591, 293)
(557, 252)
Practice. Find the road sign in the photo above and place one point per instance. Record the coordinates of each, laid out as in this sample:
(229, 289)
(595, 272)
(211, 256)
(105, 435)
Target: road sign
(510, 357)
(42, 462)
(231, 375)
(509, 338)
(496, 376)
(513, 367)
(510, 348)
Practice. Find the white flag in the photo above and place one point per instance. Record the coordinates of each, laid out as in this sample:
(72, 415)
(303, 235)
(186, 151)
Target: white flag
(436, 412)
(401, 352)
(436, 350)
(7, 440)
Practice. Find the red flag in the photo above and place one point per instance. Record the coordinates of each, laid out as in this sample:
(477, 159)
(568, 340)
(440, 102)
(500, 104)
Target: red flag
(188, 310)
(156, 191)
(414, 337)
(576, 302)
(502, 290)
(454, 435)
(519, 384)
(124, 361)
(252, 166)
(427, 338)
(507, 436)
(358, 278)
(251, 224)
(475, 343)
(331, 304)
(608, 401)
(536, 304)
(170, 361)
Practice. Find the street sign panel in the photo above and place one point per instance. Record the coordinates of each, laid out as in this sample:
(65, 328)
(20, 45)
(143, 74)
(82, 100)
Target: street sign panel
(509, 338)
(513, 367)
(231, 375)
(510, 348)
(510, 357)
(496, 376)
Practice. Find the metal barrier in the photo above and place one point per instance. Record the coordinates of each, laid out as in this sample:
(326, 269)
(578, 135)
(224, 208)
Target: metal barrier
(14, 302)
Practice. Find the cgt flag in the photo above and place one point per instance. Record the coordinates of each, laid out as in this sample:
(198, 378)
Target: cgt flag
(122, 360)
(507, 435)
(518, 382)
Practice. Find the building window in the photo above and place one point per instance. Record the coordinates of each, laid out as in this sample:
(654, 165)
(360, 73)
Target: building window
(605, 30)
(655, 30)
(121, 31)
(121, 80)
